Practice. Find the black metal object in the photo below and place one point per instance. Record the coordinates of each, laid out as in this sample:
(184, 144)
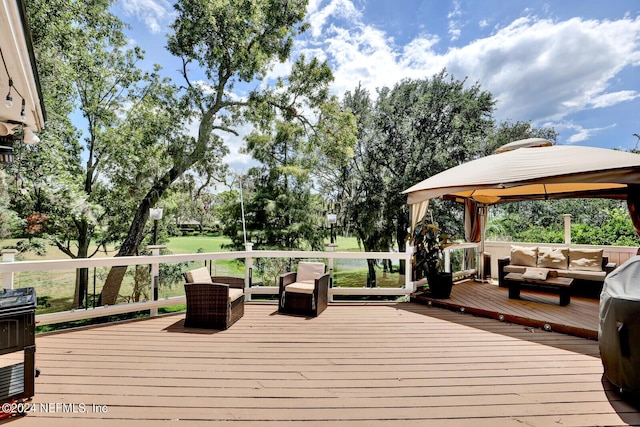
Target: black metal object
(17, 344)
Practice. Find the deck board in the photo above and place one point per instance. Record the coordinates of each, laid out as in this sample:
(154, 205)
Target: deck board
(535, 309)
(356, 365)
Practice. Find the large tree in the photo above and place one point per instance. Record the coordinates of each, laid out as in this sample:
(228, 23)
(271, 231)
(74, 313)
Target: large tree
(294, 150)
(359, 186)
(414, 130)
(87, 70)
(427, 126)
(223, 44)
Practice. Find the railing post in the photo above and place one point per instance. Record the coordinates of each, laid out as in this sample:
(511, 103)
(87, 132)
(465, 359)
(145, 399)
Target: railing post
(408, 274)
(155, 276)
(567, 229)
(332, 248)
(8, 255)
(447, 261)
(248, 274)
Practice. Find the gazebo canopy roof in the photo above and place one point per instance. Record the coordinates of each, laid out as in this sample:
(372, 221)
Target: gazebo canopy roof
(537, 171)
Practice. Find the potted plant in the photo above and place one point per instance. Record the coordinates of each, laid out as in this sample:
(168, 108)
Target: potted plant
(429, 243)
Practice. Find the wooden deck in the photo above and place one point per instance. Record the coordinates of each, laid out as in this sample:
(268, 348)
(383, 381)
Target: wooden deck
(534, 309)
(391, 365)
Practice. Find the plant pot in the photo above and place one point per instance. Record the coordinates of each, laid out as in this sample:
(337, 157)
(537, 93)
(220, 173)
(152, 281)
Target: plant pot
(440, 285)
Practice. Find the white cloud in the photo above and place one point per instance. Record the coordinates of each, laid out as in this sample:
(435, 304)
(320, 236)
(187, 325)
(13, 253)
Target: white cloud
(540, 69)
(537, 69)
(575, 133)
(154, 13)
(237, 160)
(609, 99)
(318, 17)
(455, 25)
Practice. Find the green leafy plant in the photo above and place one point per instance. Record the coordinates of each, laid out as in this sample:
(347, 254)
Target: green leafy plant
(430, 244)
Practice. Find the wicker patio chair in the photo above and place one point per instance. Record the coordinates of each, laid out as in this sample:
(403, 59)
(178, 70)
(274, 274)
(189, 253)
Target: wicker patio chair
(304, 292)
(213, 302)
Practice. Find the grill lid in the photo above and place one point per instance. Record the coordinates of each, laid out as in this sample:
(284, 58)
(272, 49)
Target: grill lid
(17, 298)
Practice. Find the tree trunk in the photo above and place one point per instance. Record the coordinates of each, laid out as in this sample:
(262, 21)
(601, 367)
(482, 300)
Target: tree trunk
(82, 274)
(371, 276)
(135, 235)
(129, 247)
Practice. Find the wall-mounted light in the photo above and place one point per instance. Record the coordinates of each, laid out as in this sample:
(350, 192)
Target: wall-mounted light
(30, 137)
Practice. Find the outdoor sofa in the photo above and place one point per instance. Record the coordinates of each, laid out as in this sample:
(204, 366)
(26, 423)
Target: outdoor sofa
(587, 267)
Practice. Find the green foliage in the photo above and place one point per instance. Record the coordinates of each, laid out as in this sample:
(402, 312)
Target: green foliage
(429, 242)
(615, 229)
(282, 211)
(593, 222)
(414, 130)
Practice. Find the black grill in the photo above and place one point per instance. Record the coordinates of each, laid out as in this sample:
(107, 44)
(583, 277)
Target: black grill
(17, 344)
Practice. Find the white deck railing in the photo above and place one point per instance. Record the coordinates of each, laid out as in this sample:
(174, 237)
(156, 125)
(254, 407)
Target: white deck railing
(9, 267)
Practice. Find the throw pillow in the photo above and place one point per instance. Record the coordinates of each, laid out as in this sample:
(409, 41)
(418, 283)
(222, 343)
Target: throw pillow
(199, 275)
(309, 271)
(585, 259)
(553, 258)
(526, 256)
(535, 273)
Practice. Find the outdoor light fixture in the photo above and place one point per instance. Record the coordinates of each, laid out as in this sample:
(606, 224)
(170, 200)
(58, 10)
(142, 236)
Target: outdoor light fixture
(9, 98)
(155, 213)
(332, 218)
(30, 137)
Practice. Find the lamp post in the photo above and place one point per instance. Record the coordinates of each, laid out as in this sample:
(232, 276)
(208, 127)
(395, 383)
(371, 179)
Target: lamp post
(332, 218)
(156, 215)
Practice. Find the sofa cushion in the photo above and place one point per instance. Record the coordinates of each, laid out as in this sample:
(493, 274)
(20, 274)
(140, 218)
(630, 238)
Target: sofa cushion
(553, 257)
(535, 273)
(309, 271)
(509, 268)
(199, 275)
(234, 294)
(596, 276)
(521, 255)
(585, 259)
(300, 287)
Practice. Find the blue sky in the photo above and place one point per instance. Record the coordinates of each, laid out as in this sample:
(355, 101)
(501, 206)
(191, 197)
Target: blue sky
(571, 64)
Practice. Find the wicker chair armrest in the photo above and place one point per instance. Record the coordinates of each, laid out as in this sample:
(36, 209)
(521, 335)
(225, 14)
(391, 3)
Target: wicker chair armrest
(233, 282)
(322, 283)
(287, 278)
(284, 280)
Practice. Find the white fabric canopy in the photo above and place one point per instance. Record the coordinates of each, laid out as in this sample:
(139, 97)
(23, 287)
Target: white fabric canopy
(542, 172)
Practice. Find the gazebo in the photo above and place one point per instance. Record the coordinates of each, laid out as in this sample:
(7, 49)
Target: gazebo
(531, 169)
